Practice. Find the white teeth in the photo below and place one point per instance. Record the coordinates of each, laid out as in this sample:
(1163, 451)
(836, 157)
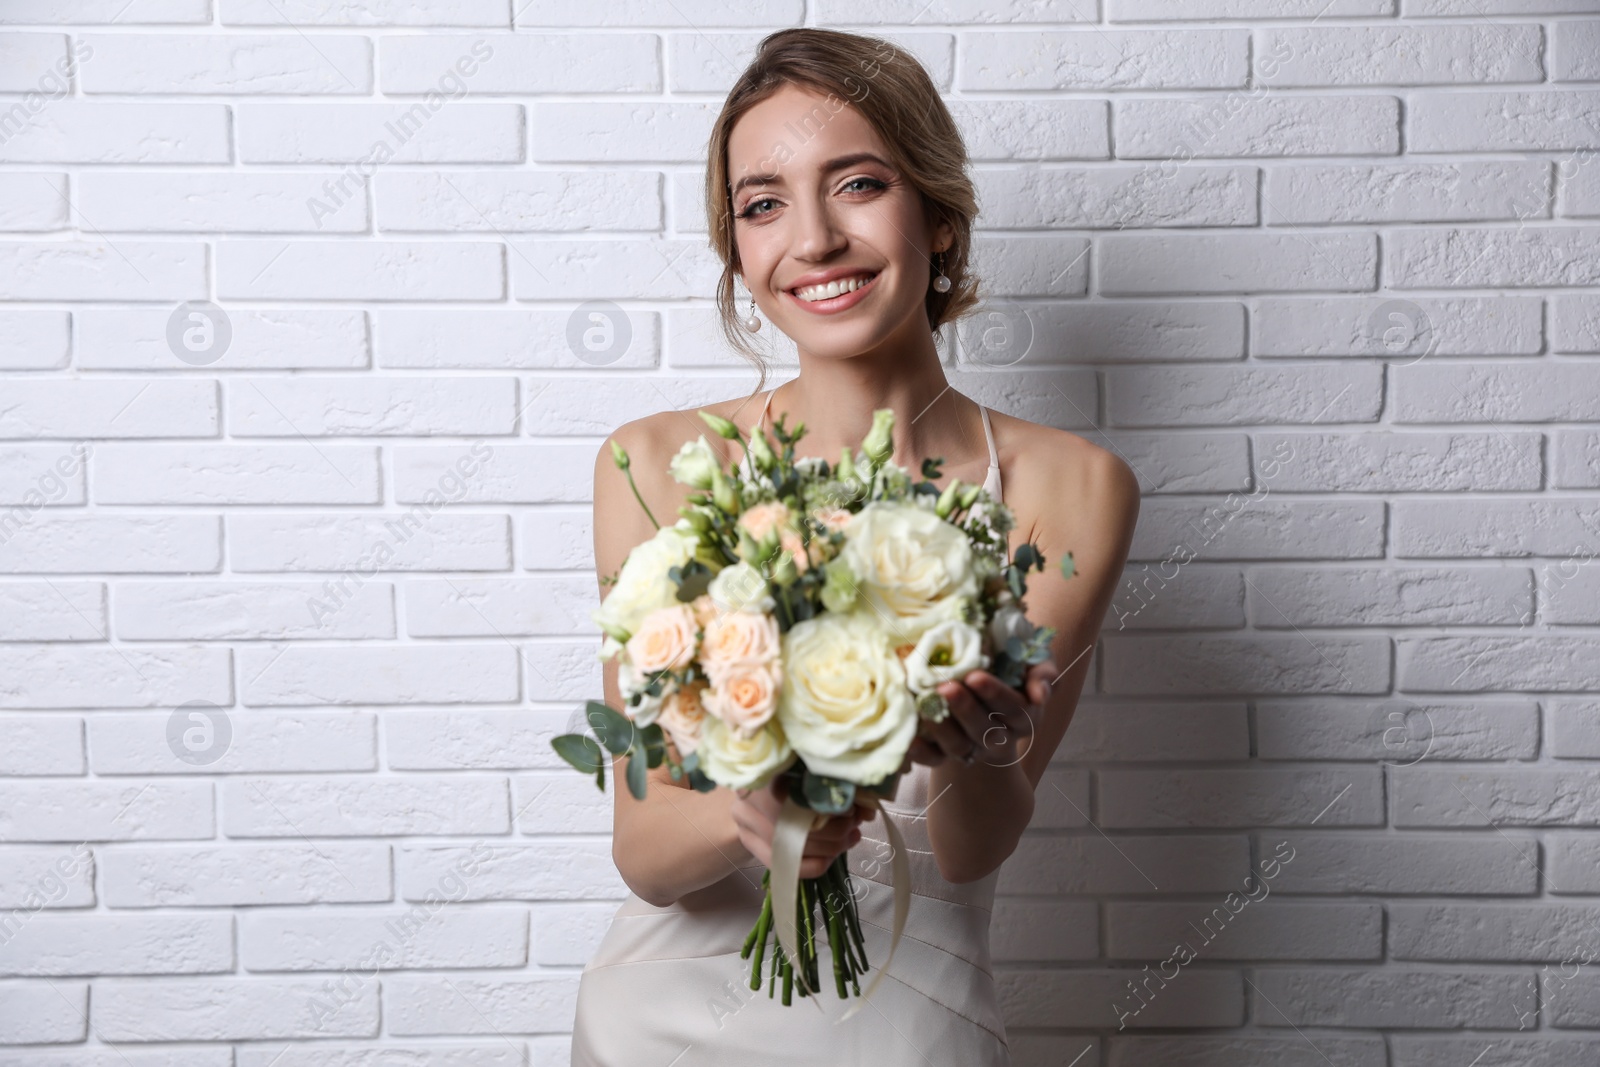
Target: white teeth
(813, 293)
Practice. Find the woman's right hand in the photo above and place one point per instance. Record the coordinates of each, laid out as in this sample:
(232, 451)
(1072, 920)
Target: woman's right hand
(755, 815)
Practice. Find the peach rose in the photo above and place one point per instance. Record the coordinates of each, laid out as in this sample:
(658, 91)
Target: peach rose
(833, 518)
(745, 697)
(664, 641)
(763, 519)
(738, 638)
(705, 609)
(795, 546)
(681, 715)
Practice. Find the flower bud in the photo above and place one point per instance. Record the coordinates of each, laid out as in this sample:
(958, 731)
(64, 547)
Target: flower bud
(761, 452)
(947, 499)
(722, 493)
(720, 426)
(879, 444)
(696, 518)
(619, 456)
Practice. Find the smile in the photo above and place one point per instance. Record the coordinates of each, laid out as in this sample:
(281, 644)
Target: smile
(835, 295)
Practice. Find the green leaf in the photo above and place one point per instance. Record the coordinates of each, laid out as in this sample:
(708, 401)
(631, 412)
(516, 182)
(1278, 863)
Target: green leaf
(831, 796)
(1028, 556)
(693, 579)
(1068, 568)
(580, 751)
(636, 775)
(614, 729)
(698, 779)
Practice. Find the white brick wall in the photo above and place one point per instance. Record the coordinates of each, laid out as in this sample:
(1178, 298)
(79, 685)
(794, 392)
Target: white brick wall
(285, 628)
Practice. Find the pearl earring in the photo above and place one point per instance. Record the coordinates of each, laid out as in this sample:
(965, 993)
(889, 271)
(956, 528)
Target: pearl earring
(750, 321)
(941, 283)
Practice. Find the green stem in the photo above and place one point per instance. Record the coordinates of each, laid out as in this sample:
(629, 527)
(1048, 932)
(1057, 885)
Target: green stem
(629, 472)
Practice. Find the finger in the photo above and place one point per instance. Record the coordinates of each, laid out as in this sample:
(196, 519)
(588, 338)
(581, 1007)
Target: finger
(924, 751)
(1043, 680)
(950, 739)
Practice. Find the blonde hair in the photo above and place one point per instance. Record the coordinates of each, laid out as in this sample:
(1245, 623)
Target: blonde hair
(894, 93)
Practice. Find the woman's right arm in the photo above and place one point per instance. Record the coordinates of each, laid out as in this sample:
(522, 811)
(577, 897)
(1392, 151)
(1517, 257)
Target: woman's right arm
(677, 839)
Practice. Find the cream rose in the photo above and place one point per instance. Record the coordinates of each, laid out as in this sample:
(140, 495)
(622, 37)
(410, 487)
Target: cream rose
(738, 638)
(944, 653)
(665, 640)
(843, 703)
(914, 569)
(745, 696)
(682, 714)
(735, 761)
(643, 584)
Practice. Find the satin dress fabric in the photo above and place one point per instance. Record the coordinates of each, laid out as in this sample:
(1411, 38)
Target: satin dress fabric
(667, 987)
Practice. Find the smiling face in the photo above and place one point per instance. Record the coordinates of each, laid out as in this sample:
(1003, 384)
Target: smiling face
(833, 241)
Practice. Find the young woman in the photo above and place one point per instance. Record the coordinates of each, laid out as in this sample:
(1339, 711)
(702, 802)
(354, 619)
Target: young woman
(837, 194)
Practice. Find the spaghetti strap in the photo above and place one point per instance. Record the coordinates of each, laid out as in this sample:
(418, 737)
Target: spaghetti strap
(992, 481)
(746, 459)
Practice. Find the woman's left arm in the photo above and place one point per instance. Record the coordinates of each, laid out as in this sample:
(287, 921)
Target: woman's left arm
(979, 807)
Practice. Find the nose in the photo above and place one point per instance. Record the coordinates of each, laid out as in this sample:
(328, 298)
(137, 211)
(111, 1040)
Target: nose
(817, 234)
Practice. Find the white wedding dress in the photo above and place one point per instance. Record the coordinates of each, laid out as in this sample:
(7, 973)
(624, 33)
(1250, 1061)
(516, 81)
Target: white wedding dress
(667, 987)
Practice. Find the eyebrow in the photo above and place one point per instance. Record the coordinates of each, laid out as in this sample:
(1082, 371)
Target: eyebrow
(840, 163)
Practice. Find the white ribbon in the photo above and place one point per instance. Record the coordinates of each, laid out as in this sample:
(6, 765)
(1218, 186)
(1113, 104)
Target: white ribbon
(795, 824)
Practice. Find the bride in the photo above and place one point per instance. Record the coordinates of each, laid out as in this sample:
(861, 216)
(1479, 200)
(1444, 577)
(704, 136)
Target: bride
(837, 193)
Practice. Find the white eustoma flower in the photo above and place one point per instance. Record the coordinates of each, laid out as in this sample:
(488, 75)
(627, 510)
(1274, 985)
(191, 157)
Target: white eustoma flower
(741, 587)
(913, 568)
(645, 712)
(945, 653)
(694, 463)
(1008, 622)
(643, 584)
(844, 704)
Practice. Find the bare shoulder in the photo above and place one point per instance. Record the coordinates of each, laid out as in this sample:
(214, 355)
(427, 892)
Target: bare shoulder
(1065, 489)
(650, 443)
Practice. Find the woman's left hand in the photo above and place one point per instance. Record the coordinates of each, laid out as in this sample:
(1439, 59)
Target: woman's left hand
(987, 719)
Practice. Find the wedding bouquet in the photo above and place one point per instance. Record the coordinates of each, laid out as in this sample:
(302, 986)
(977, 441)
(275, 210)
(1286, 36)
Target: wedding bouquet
(797, 620)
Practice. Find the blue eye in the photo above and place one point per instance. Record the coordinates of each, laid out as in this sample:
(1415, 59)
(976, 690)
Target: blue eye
(750, 208)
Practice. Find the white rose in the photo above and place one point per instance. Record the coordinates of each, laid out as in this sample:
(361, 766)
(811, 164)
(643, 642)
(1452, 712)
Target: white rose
(844, 704)
(913, 568)
(731, 759)
(945, 653)
(741, 587)
(642, 586)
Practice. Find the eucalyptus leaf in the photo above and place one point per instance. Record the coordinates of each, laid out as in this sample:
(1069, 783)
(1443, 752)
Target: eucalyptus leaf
(580, 751)
(693, 579)
(614, 729)
(831, 796)
(636, 776)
